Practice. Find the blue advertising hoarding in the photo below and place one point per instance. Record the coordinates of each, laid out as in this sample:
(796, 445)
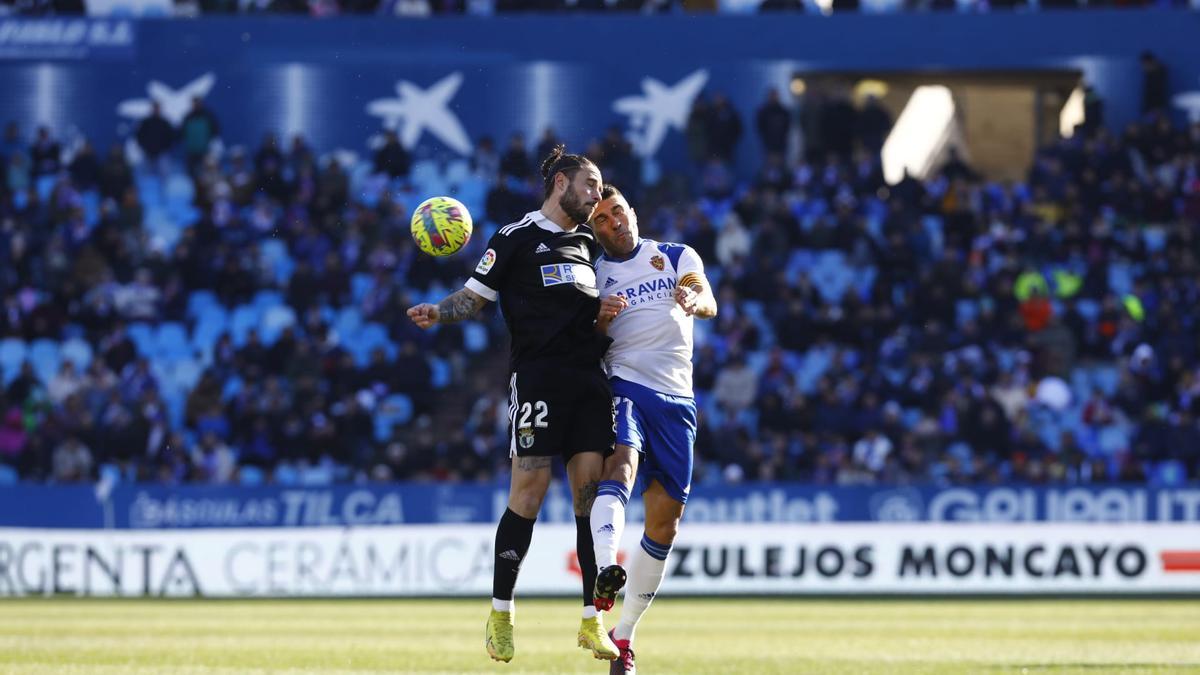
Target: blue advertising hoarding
(157, 507)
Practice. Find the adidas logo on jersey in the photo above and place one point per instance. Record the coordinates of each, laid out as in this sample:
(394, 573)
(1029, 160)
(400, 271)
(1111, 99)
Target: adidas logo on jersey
(611, 282)
(511, 555)
(542, 248)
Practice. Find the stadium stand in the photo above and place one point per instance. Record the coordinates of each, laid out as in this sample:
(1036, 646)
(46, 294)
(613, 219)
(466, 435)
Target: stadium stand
(245, 322)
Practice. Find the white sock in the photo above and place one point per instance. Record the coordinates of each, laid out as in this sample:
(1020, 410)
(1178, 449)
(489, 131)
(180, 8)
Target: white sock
(608, 521)
(646, 572)
(589, 612)
(502, 605)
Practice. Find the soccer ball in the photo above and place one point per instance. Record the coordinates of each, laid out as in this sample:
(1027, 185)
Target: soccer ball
(441, 226)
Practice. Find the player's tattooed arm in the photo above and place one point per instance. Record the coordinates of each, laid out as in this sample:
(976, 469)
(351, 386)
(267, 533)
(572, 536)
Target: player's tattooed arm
(461, 305)
(458, 306)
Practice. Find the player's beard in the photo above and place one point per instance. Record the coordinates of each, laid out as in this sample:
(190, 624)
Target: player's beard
(573, 206)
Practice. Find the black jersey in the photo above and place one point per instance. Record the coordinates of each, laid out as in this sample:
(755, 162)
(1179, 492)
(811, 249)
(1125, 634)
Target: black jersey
(546, 284)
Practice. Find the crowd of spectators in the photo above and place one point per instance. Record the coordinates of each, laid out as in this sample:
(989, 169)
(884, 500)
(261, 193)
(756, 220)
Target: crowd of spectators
(945, 330)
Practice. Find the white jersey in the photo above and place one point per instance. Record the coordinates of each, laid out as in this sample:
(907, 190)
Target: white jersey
(652, 337)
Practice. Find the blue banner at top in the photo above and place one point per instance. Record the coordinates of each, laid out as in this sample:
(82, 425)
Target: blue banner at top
(445, 83)
(156, 507)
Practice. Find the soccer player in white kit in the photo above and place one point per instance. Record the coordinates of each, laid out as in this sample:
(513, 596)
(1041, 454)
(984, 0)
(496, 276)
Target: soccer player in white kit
(651, 291)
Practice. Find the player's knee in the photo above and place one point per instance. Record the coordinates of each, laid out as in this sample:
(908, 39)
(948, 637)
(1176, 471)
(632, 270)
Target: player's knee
(663, 530)
(621, 472)
(621, 466)
(526, 502)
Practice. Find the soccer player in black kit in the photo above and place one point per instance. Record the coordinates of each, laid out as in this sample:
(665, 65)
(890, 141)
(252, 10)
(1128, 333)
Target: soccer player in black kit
(540, 269)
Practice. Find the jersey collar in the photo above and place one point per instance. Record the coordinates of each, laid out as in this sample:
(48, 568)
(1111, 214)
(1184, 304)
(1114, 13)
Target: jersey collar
(543, 222)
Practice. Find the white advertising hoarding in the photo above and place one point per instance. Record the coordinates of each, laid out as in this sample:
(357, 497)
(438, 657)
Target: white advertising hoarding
(707, 559)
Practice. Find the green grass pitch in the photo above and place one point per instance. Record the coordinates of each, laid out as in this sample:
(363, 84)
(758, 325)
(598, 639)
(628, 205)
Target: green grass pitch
(678, 635)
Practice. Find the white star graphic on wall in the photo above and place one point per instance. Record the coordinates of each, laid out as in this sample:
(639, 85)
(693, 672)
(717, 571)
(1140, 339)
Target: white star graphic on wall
(416, 110)
(658, 110)
(175, 103)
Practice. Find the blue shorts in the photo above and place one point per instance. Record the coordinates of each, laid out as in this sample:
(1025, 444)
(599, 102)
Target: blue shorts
(662, 428)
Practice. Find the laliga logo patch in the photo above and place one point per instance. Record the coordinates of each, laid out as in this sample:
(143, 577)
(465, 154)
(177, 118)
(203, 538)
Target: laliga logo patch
(657, 261)
(525, 437)
(486, 262)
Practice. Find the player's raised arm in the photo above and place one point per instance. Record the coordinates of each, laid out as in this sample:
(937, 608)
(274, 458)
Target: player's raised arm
(693, 292)
(460, 305)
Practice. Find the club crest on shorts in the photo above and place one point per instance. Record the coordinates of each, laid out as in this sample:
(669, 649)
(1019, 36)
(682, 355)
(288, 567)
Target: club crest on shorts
(657, 261)
(525, 437)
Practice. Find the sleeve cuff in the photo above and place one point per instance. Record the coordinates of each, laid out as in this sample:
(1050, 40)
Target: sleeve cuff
(482, 291)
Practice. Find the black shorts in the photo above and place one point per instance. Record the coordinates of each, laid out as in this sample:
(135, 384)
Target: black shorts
(556, 410)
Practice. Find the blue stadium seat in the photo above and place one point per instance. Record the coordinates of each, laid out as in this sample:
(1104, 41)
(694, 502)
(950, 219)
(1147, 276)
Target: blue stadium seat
(244, 318)
(45, 185)
(321, 474)
(43, 354)
(200, 300)
(77, 351)
(233, 386)
(965, 310)
(1120, 278)
(1114, 439)
(286, 475)
(266, 299)
(1088, 309)
(91, 207)
(142, 335)
(425, 170)
(933, 226)
(275, 256)
(757, 361)
(370, 188)
(863, 279)
(159, 223)
(475, 337)
(185, 373)
(211, 322)
(1107, 378)
(149, 188)
(1155, 238)
(440, 371)
(171, 341)
(370, 337)
(831, 276)
(110, 473)
(347, 324)
(393, 410)
(274, 321)
(472, 192)
(8, 475)
(176, 402)
(373, 335)
(251, 475)
(359, 285)
(12, 353)
(179, 189)
(457, 171)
